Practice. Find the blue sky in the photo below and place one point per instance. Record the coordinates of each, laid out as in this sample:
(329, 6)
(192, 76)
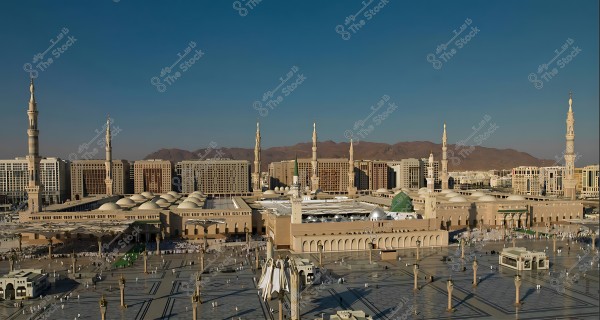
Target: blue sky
(121, 45)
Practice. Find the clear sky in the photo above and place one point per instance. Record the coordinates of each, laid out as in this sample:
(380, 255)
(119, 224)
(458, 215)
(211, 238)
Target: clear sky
(116, 47)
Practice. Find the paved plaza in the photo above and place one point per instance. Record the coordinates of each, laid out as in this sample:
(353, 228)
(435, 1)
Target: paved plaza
(570, 290)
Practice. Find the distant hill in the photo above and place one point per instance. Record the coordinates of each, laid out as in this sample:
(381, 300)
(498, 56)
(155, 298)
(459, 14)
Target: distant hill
(481, 158)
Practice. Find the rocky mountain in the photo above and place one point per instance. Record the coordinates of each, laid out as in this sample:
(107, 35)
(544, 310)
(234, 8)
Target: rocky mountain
(459, 157)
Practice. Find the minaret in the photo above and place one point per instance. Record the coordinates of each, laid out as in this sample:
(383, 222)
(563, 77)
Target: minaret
(256, 185)
(296, 196)
(430, 202)
(34, 188)
(108, 162)
(569, 180)
(430, 182)
(351, 186)
(444, 159)
(314, 179)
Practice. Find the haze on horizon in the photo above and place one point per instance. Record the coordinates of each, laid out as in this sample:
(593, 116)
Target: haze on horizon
(121, 45)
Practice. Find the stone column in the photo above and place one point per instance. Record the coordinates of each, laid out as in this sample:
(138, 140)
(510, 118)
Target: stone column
(418, 245)
(122, 289)
(100, 247)
(145, 261)
(11, 261)
(416, 273)
(475, 273)
(256, 258)
(320, 255)
(50, 248)
(371, 253)
(295, 295)
(205, 238)
(157, 244)
(450, 287)
(462, 248)
(195, 302)
(554, 243)
(269, 249)
(73, 261)
(198, 280)
(517, 287)
(280, 294)
(201, 260)
(103, 305)
(514, 241)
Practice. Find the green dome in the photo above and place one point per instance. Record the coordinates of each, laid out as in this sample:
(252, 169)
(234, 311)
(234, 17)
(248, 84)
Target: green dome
(402, 203)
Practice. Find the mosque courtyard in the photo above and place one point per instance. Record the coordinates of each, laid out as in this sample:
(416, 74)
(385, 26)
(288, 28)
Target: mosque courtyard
(384, 289)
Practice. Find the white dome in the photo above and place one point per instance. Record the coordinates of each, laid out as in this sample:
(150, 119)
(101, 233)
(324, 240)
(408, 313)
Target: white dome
(149, 206)
(168, 197)
(173, 193)
(161, 201)
(487, 198)
(458, 199)
(515, 197)
(287, 188)
(187, 205)
(192, 199)
(377, 214)
(444, 191)
(147, 195)
(276, 189)
(269, 192)
(125, 202)
(109, 206)
(198, 193)
(138, 198)
(196, 196)
(452, 194)
(477, 194)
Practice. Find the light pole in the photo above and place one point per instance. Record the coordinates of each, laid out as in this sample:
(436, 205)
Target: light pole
(145, 261)
(195, 302)
(50, 248)
(475, 273)
(158, 244)
(416, 273)
(517, 287)
(462, 248)
(371, 245)
(103, 305)
(122, 291)
(418, 245)
(450, 287)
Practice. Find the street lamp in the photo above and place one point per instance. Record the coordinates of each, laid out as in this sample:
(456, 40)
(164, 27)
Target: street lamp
(418, 245)
(416, 273)
(103, 305)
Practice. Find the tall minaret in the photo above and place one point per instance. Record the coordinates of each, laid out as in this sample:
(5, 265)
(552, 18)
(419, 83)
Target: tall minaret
(314, 179)
(256, 185)
(430, 182)
(430, 202)
(351, 186)
(444, 159)
(296, 196)
(108, 162)
(569, 180)
(34, 188)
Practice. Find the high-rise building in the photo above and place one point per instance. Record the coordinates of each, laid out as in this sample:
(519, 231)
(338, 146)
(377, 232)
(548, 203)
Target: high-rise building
(332, 173)
(409, 174)
(552, 180)
(34, 187)
(589, 182)
(526, 180)
(88, 178)
(436, 172)
(372, 174)
(569, 175)
(153, 175)
(216, 177)
(54, 176)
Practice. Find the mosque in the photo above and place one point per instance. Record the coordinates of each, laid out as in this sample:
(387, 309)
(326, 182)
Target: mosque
(298, 219)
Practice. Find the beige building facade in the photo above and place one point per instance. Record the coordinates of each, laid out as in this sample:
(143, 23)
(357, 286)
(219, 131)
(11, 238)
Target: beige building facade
(88, 178)
(153, 176)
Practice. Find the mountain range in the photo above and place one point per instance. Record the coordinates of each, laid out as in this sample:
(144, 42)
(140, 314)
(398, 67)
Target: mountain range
(459, 157)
